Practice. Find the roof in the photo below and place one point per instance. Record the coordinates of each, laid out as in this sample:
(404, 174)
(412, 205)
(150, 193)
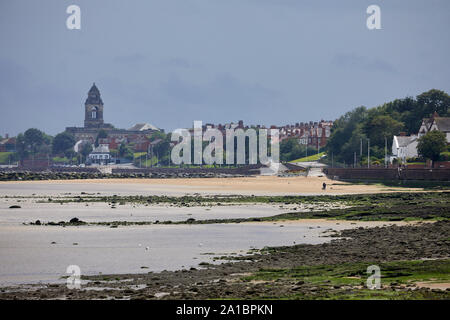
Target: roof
(101, 149)
(8, 141)
(94, 96)
(403, 141)
(443, 124)
(143, 127)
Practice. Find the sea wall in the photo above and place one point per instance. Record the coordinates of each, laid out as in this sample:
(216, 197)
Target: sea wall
(388, 174)
(70, 173)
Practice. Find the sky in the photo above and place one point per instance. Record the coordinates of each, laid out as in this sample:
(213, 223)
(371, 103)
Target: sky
(170, 62)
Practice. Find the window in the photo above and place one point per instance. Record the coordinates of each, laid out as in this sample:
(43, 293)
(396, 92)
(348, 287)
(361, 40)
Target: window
(94, 113)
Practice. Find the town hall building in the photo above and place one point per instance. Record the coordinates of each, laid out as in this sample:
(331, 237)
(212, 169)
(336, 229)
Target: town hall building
(94, 123)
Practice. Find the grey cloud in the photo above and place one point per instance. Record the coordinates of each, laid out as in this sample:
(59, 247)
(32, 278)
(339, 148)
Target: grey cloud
(130, 59)
(176, 62)
(169, 62)
(224, 90)
(360, 62)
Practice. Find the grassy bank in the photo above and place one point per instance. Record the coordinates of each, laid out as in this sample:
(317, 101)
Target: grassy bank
(314, 157)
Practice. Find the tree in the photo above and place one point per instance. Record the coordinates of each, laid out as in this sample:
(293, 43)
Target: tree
(381, 126)
(102, 134)
(432, 144)
(434, 101)
(86, 149)
(21, 146)
(70, 154)
(31, 142)
(382, 122)
(346, 134)
(34, 139)
(125, 151)
(62, 142)
(122, 149)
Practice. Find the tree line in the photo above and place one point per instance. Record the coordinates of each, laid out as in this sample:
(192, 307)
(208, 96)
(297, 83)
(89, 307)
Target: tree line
(375, 127)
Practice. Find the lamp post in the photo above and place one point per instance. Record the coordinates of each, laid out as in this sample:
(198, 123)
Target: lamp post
(385, 152)
(360, 151)
(368, 153)
(306, 145)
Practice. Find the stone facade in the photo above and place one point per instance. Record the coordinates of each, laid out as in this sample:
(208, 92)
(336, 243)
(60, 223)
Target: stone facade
(94, 122)
(93, 117)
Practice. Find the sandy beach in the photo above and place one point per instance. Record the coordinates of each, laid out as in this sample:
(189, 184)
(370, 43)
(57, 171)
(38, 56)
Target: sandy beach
(260, 185)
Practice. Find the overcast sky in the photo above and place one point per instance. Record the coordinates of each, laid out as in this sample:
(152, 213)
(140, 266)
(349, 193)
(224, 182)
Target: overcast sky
(170, 62)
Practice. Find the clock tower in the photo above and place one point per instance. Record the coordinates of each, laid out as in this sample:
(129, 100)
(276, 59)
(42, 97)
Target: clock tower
(93, 116)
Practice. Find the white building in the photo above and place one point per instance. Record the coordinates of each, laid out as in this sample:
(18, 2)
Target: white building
(404, 147)
(435, 123)
(100, 154)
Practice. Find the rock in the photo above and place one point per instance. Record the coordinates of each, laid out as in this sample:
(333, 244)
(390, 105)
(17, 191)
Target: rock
(37, 222)
(15, 207)
(74, 220)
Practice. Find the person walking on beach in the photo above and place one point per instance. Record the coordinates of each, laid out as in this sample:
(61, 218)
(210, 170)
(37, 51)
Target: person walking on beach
(324, 186)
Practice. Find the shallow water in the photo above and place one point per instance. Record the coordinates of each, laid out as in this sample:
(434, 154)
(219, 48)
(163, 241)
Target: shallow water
(28, 255)
(31, 211)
